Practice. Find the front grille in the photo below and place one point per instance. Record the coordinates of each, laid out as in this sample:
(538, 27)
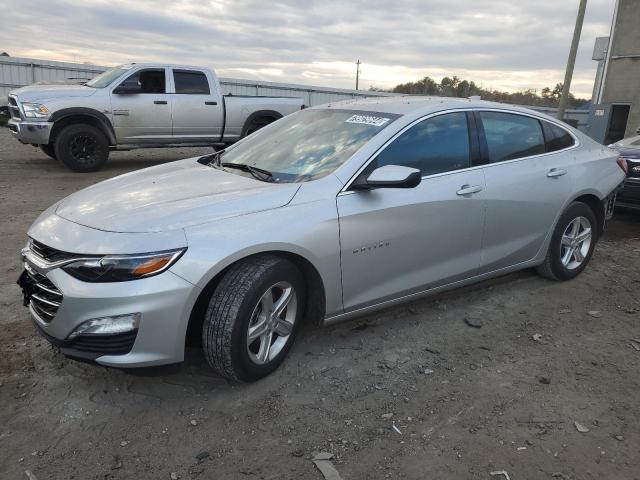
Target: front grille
(14, 109)
(45, 298)
(119, 344)
(49, 254)
(633, 168)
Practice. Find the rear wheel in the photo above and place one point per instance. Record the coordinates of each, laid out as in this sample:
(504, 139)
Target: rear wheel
(82, 148)
(253, 317)
(48, 150)
(572, 243)
(256, 124)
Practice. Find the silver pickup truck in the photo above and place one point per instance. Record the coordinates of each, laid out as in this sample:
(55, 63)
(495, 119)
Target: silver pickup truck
(137, 106)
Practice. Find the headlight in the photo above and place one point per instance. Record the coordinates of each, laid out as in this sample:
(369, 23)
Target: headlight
(35, 110)
(121, 268)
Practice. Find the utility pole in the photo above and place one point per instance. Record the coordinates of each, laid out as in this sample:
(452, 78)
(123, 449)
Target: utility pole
(571, 62)
(357, 73)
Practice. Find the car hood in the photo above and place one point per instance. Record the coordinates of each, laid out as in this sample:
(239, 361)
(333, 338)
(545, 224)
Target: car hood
(171, 196)
(37, 92)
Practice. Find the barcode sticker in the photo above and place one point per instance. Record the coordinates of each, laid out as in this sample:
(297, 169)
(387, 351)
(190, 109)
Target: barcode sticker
(367, 120)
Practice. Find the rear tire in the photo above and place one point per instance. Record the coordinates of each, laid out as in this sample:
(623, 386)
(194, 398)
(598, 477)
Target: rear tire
(256, 124)
(243, 339)
(572, 243)
(49, 150)
(82, 148)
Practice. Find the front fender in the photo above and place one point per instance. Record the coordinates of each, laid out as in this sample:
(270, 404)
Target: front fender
(308, 230)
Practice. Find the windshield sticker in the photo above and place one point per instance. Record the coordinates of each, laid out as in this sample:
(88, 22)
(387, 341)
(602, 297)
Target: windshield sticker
(367, 120)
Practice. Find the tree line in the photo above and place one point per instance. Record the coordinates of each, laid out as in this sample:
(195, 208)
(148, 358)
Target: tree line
(455, 87)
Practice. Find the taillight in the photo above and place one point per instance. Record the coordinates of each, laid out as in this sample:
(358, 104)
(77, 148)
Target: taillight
(622, 163)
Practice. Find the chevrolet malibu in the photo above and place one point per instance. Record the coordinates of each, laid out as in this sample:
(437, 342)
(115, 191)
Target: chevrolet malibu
(327, 214)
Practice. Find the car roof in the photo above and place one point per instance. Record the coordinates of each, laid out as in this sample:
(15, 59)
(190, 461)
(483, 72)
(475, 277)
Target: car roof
(414, 104)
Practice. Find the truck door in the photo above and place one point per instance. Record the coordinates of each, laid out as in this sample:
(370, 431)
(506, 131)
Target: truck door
(141, 108)
(198, 113)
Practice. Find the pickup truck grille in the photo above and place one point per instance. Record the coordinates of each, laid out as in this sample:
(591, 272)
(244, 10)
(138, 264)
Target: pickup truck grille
(46, 298)
(14, 109)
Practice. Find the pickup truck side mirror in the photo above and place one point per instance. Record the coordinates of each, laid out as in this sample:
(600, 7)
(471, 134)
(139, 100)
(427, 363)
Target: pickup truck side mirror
(126, 88)
(390, 176)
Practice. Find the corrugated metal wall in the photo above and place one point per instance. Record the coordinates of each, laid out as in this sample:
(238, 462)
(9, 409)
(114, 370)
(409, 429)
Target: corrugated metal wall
(17, 72)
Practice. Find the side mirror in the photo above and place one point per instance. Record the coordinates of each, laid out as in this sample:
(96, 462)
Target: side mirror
(127, 88)
(391, 176)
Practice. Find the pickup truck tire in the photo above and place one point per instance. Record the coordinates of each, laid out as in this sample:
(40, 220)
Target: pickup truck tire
(256, 123)
(82, 148)
(48, 150)
(572, 243)
(241, 307)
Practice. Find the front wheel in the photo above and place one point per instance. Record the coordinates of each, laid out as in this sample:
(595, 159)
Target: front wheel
(572, 243)
(253, 317)
(82, 148)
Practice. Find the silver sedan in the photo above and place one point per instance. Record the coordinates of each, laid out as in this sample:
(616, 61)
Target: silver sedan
(327, 214)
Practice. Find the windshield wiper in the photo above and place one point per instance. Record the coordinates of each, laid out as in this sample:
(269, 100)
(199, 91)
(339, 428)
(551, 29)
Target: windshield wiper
(257, 173)
(211, 160)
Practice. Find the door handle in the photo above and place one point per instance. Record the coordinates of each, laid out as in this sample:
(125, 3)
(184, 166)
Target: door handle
(469, 189)
(210, 103)
(160, 102)
(556, 172)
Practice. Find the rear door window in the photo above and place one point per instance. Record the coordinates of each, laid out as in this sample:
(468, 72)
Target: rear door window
(435, 145)
(191, 82)
(510, 136)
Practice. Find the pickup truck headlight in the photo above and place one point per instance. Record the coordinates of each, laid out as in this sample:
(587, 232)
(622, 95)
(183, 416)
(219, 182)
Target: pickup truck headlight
(35, 110)
(122, 268)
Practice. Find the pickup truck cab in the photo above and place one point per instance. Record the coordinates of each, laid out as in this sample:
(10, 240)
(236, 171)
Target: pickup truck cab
(137, 106)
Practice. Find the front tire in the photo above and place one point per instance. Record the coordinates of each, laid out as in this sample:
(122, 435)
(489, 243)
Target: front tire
(253, 317)
(572, 243)
(82, 148)
(49, 150)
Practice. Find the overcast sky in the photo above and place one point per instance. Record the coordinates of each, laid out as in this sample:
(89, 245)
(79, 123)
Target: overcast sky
(503, 44)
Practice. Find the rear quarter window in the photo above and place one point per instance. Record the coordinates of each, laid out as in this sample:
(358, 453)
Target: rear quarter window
(557, 138)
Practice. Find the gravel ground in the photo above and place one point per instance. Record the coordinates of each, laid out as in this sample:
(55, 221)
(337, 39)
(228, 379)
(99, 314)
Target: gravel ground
(412, 392)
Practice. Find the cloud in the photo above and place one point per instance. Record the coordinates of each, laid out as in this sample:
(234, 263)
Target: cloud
(501, 44)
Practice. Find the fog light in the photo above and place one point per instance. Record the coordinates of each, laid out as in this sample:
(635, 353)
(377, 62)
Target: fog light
(108, 325)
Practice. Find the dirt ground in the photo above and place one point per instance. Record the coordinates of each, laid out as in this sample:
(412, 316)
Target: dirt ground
(464, 401)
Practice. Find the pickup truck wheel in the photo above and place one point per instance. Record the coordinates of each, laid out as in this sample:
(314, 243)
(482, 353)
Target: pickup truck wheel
(82, 148)
(48, 150)
(572, 243)
(256, 124)
(253, 317)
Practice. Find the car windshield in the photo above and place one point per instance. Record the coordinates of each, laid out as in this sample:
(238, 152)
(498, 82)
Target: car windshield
(106, 78)
(307, 145)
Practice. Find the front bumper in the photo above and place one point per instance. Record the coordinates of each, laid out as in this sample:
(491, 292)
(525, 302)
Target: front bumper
(164, 302)
(36, 133)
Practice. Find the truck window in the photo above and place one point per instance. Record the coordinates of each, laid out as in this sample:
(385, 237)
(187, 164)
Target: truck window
(151, 80)
(190, 82)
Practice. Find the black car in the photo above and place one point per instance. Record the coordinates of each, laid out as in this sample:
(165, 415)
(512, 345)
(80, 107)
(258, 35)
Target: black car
(629, 149)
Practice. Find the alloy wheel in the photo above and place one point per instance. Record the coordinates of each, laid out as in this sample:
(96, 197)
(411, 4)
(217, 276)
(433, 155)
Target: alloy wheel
(83, 147)
(575, 243)
(271, 323)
